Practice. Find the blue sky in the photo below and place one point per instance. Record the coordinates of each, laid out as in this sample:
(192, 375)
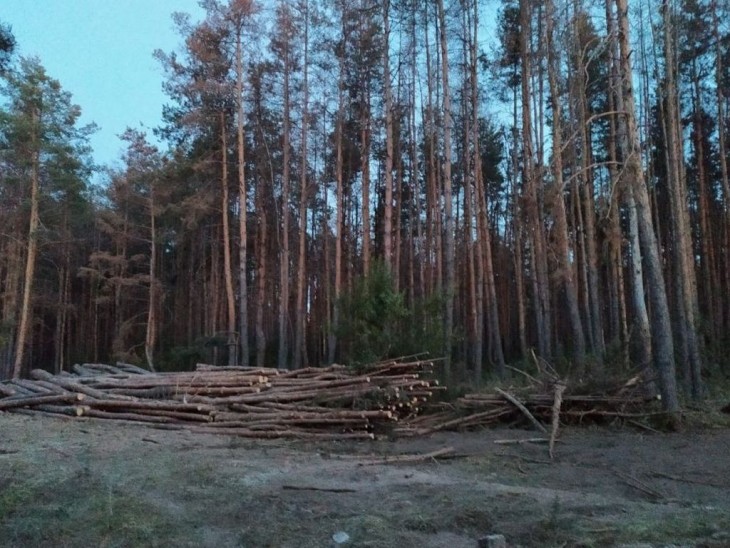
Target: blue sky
(101, 52)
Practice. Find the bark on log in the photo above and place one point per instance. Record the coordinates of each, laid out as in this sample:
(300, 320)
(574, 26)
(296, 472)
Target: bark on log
(13, 402)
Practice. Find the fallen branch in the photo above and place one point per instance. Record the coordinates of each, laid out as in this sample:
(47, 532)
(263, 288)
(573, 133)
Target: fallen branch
(400, 459)
(522, 440)
(559, 389)
(521, 407)
(323, 489)
(639, 485)
(688, 480)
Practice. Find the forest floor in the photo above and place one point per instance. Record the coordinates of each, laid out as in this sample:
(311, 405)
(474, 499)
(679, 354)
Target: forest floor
(74, 483)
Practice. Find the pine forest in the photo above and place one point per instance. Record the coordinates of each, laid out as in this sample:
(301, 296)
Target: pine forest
(343, 181)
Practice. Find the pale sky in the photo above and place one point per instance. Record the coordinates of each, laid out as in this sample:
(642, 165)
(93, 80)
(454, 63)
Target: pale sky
(101, 52)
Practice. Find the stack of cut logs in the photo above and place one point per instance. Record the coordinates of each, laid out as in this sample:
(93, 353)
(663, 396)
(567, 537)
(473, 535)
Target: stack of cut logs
(320, 403)
(333, 402)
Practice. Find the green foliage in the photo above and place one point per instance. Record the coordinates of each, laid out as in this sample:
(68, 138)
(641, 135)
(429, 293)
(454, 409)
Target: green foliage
(181, 358)
(376, 324)
(7, 46)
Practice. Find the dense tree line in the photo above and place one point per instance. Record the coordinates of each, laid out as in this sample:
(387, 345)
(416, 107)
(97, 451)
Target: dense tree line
(340, 171)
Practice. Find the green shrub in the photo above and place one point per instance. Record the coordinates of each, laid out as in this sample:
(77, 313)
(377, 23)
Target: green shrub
(376, 323)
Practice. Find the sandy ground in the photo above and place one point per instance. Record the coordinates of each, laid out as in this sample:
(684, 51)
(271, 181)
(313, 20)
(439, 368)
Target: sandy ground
(102, 483)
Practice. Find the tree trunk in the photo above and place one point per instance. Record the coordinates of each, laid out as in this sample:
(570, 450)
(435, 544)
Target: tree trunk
(631, 151)
(595, 319)
(261, 259)
(151, 334)
(615, 238)
(26, 307)
(535, 236)
(448, 215)
(227, 268)
(242, 207)
(684, 253)
(339, 205)
(284, 280)
(561, 224)
(388, 107)
(722, 149)
(299, 343)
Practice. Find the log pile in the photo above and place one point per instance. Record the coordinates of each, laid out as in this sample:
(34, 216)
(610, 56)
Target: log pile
(336, 402)
(320, 403)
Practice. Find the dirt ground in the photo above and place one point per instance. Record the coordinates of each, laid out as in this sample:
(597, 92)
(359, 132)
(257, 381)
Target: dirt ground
(75, 483)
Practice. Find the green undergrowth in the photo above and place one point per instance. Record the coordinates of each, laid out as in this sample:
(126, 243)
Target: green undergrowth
(77, 511)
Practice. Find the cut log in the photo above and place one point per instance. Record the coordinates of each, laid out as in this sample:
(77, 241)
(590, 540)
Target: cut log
(73, 386)
(30, 401)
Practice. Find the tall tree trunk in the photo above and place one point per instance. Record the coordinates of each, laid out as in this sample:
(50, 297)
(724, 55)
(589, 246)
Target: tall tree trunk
(227, 268)
(299, 341)
(63, 298)
(418, 252)
(517, 236)
(242, 207)
(641, 329)
(434, 248)
(631, 151)
(536, 238)
(615, 235)
(151, 334)
(711, 296)
(26, 307)
(450, 286)
(684, 254)
(365, 123)
(594, 319)
(473, 309)
(486, 289)
(261, 259)
(12, 253)
(561, 223)
(389, 137)
(722, 149)
(340, 203)
(284, 280)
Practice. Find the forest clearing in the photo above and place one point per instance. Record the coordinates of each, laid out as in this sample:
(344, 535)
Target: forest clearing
(248, 457)
(101, 483)
(536, 191)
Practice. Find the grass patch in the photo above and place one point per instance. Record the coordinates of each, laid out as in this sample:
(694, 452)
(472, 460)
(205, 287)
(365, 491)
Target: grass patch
(694, 524)
(78, 512)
